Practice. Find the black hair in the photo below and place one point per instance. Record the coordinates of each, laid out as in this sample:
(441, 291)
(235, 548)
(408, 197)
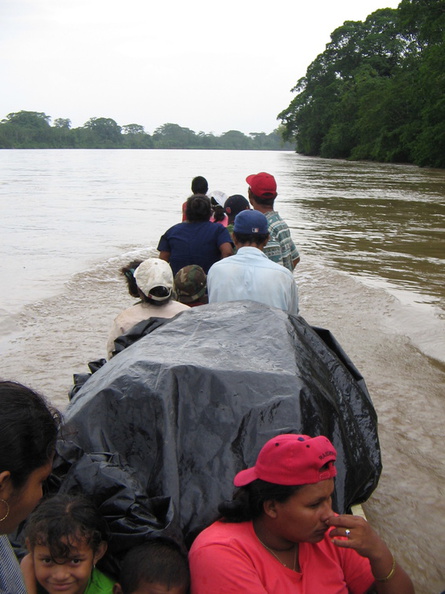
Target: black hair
(247, 502)
(264, 200)
(61, 521)
(199, 185)
(128, 272)
(218, 212)
(257, 238)
(156, 561)
(198, 208)
(28, 431)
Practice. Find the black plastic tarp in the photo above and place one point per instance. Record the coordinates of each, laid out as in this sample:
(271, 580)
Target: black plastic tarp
(157, 434)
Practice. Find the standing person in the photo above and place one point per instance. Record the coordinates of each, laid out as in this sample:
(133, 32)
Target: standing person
(28, 432)
(199, 186)
(197, 240)
(249, 274)
(279, 534)
(154, 283)
(66, 536)
(217, 200)
(262, 194)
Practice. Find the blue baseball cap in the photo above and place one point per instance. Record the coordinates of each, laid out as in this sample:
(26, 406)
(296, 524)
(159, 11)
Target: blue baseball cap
(250, 222)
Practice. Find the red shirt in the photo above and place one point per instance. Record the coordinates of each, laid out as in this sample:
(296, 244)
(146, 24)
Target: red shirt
(227, 558)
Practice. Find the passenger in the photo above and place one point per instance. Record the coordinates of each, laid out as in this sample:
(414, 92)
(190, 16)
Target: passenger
(154, 280)
(217, 200)
(279, 534)
(249, 274)
(191, 285)
(155, 567)
(233, 205)
(262, 194)
(196, 241)
(66, 536)
(199, 186)
(28, 431)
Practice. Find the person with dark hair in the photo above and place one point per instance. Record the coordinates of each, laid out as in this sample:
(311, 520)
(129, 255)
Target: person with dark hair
(279, 534)
(199, 186)
(217, 200)
(232, 206)
(197, 240)
(128, 273)
(249, 274)
(191, 285)
(155, 567)
(281, 247)
(66, 536)
(154, 283)
(28, 432)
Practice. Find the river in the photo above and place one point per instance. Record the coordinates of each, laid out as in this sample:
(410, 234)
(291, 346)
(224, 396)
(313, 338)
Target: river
(371, 238)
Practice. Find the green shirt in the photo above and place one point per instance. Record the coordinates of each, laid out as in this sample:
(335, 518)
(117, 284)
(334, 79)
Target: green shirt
(99, 583)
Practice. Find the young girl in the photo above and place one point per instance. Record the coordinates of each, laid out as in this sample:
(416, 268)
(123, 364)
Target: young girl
(66, 536)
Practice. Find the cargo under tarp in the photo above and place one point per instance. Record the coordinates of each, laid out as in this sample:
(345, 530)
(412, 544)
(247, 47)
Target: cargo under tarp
(157, 434)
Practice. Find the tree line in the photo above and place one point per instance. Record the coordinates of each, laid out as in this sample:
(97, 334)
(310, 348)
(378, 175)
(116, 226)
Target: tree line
(378, 90)
(32, 130)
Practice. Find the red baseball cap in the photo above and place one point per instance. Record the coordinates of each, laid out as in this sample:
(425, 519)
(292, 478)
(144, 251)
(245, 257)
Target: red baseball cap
(262, 185)
(291, 459)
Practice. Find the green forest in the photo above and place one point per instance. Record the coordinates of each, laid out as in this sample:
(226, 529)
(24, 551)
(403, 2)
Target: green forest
(378, 90)
(32, 130)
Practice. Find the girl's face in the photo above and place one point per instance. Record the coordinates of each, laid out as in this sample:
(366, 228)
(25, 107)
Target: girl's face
(70, 575)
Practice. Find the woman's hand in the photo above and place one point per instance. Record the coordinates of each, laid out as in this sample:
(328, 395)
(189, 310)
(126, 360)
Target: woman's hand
(354, 532)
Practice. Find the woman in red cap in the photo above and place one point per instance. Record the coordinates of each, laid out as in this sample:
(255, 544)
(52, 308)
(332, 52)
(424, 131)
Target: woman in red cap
(279, 534)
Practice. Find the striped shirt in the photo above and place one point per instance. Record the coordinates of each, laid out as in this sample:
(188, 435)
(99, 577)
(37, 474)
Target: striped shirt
(11, 579)
(280, 248)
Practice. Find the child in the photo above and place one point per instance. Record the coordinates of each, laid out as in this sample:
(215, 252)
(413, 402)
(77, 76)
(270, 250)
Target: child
(155, 567)
(66, 536)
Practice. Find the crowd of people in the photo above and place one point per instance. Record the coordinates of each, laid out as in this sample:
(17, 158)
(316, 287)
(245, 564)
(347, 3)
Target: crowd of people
(279, 533)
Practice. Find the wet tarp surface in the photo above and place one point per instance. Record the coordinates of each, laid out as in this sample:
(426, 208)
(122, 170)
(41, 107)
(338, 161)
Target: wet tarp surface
(157, 434)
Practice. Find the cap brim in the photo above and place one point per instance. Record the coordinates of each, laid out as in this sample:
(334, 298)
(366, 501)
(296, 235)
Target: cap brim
(245, 477)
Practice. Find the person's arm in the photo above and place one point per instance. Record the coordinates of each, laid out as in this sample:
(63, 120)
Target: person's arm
(295, 262)
(390, 577)
(164, 256)
(226, 250)
(27, 567)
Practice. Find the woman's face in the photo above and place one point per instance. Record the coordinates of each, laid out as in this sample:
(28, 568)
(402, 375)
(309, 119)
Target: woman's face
(23, 500)
(302, 517)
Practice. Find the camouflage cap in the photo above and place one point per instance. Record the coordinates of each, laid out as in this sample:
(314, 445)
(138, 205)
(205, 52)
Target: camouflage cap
(190, 283)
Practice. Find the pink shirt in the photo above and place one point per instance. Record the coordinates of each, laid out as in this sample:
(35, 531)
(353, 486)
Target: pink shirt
(227, 558)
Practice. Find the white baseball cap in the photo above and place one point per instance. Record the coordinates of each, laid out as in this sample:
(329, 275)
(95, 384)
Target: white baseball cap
(152, 273)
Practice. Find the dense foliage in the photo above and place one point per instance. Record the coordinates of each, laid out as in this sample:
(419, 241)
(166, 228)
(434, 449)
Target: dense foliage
(378, 90)
(32, 129)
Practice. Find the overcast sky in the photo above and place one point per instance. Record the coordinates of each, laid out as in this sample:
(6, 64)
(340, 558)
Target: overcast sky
(205, 65)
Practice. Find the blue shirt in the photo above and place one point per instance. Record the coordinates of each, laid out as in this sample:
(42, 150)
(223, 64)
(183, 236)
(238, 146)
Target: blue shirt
(249, 274)
(194, 243)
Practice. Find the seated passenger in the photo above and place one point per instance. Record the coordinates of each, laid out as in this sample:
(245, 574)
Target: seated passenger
(155, 567)
(197, 240)
(217, 200)
(154, 280)
(233, 205)
(249, 274)
(279, 534)
(66, 536)
(191, 286)
(199, 186)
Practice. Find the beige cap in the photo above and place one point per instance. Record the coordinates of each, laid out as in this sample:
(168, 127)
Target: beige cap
(153, 273)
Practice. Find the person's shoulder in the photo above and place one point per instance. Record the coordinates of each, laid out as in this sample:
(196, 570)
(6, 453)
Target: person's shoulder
(221, 533)
(100, 583)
